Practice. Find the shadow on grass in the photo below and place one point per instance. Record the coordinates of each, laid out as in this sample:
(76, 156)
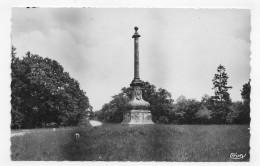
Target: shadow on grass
(78, 149)
(120, 143)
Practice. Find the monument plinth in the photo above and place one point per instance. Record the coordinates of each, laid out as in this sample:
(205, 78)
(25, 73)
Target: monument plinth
(137, 108)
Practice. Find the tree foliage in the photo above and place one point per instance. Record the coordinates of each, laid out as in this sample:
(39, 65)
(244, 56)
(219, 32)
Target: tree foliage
(185, 110)
(43, 94)
(244, 113)
(160, 101)
(222, 99)
(204, 113)
(245, 93)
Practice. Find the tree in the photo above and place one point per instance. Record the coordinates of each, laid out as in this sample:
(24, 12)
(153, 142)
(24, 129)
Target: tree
(112, 112)
(245, 93)
(42, 93)
(244, 112)
(222, 99)
(204, 114)
(160, 101)
(235, 110)
(185, 110)
(16, 85)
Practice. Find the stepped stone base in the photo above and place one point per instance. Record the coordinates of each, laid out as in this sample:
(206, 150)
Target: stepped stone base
(137, 117)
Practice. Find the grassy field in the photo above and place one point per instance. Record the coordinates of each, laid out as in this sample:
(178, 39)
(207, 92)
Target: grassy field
(134, 143)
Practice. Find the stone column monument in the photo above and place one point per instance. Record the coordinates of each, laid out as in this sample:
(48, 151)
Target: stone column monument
(137, 109)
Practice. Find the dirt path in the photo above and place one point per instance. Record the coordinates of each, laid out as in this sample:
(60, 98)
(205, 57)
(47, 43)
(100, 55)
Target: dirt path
(19, 133)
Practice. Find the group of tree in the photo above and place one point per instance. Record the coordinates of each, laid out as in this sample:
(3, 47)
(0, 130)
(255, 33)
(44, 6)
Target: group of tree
(42, 94)
(160, 101)
(217, 109)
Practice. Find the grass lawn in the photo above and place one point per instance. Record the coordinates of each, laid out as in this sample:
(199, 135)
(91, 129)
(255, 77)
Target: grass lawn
(112, 142)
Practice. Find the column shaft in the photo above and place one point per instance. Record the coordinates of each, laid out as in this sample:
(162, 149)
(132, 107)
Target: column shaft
(136, 58)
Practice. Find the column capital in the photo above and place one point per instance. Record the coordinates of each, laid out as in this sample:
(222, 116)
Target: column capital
(136, 82)
(136, 34)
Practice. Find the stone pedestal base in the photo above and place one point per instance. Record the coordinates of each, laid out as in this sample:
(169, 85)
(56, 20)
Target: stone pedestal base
(137, 117)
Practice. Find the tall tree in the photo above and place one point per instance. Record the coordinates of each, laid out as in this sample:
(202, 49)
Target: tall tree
(222, 99)
(42, 93)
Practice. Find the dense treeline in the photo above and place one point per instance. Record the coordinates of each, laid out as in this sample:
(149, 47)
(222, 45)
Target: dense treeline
(217, 109)
(43, 94)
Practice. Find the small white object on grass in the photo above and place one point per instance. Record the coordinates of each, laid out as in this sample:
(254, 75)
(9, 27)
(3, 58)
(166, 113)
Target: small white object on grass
(54, 129)
(95, 123)
(77, 136)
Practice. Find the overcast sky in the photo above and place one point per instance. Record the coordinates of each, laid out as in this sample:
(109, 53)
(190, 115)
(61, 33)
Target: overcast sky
(180, 49)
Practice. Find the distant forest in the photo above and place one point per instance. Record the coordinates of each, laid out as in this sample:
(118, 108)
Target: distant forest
(44, 95)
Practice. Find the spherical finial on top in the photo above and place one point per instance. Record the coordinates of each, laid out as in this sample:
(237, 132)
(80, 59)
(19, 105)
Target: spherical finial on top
(136, 35)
